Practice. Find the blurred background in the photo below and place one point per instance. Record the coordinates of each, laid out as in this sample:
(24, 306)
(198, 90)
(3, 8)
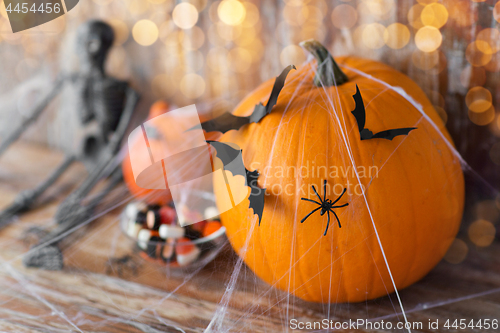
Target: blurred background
(213, 53)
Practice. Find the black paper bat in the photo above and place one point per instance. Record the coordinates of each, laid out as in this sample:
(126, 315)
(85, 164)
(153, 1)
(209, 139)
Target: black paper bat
(228, 121)
(228, 154)
(365, 133)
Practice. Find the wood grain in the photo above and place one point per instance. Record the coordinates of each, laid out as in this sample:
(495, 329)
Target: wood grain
(88, 296)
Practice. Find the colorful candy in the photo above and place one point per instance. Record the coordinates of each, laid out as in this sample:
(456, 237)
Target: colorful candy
(211, 227)
(186, 251)
(171, 231)
(161, 238)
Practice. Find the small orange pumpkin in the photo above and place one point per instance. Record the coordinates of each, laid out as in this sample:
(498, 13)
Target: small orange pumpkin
(161, 197)
(415, 198)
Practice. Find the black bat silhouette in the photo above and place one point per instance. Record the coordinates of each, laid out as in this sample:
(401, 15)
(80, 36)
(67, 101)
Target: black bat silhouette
(228, 154)
(228, 121)
(365, 133)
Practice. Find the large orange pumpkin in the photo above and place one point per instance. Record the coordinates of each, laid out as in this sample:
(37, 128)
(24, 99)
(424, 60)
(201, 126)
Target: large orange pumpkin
(414, 193)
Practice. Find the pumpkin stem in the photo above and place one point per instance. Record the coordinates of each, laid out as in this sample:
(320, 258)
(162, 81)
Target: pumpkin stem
(328, 73)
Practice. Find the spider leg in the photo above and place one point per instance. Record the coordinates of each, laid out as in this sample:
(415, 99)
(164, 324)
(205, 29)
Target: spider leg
(324, 190)
(345, 189)
(347, 204)
(337, 218)
(302, 221)
(310, 200)
(328, 223)
(314, 188)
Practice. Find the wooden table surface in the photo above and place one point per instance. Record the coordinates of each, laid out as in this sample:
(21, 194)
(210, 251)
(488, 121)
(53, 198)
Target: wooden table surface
(87, 297)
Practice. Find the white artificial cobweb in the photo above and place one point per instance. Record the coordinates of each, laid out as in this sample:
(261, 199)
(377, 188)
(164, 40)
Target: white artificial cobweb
(222, 295)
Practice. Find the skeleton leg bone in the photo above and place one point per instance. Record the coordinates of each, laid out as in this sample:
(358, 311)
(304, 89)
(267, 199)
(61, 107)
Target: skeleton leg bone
(46, 254)
(26, 199)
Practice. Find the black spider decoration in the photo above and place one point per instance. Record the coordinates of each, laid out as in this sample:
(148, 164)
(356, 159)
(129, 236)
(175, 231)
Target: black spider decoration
(326, 206)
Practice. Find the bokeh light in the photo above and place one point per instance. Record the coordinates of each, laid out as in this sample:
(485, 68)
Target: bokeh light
(461, 13)
(231, 12)
(239, 59)
(121, 31)
(379, 8)
(482, 118)
(428, 39)
(295, 15)
(425, 60)
(496, 12)
(344, 16)
(185, 15)
(292, 55)
(145, 32)
(426, 2)
(396, 36)
(487, 209)
(488, 40)
(475, 56)
(252, 15)
(435, 15)
(192, 85)
(137, 7)
(191, 39)
(481, 233)
(457, 252)
(414, 16)
(478, 99)
(163, 85)
(373, 35)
